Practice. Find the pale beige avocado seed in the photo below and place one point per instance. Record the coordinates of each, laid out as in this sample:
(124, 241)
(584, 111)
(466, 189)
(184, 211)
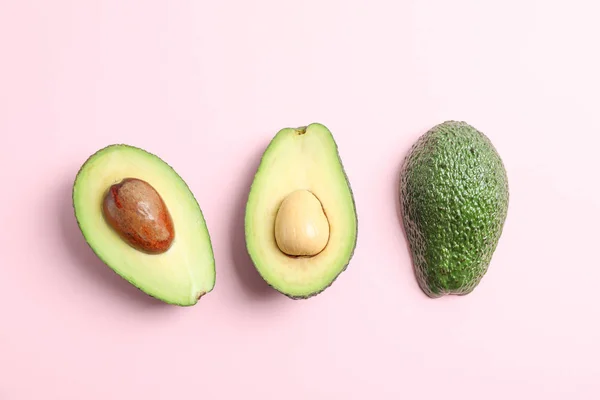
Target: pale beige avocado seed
(301, 226)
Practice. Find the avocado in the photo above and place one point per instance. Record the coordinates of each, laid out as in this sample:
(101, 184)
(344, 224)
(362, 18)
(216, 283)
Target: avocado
(141, 219)
(301, 221)
(454, 200)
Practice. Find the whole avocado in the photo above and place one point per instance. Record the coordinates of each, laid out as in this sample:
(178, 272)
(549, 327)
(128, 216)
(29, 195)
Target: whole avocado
(454, 200)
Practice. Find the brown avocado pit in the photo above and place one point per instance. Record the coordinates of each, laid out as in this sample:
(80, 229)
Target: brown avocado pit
(137, 212)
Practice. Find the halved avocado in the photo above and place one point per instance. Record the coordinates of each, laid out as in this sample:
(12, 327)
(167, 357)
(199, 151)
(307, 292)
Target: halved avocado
(179, 275)
(302, 159)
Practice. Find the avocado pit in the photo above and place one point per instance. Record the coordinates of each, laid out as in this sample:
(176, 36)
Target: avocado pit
(301, 226)
(137, 212)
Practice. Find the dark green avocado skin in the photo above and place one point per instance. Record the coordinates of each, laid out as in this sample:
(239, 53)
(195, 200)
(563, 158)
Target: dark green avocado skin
(453, 200)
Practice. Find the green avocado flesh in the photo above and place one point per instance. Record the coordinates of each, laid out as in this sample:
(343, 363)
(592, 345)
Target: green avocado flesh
(303, 158)
(183, 273)
(454, 201)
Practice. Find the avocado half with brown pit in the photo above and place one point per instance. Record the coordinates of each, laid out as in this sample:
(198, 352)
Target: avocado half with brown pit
(301, 222)
(142, 220)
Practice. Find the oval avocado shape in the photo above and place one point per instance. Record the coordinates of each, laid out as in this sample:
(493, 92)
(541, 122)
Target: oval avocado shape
(301, 164)
(454, 198)
(179, 275)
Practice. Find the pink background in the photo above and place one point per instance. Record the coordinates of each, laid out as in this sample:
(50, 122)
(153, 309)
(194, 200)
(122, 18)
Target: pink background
(205, 85)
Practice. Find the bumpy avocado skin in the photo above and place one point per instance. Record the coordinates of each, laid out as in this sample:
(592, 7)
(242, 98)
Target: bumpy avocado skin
(454, 200)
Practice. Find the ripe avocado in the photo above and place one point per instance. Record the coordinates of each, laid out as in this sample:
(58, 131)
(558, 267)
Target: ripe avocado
(301, 202)
(454, 200)
(177, 271)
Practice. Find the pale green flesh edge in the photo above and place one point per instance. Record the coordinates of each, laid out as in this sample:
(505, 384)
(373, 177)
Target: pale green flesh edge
(179, 276)
(302, 287)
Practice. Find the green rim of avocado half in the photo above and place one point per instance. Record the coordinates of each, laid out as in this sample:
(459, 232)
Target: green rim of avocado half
(305, 158)
(179, 276)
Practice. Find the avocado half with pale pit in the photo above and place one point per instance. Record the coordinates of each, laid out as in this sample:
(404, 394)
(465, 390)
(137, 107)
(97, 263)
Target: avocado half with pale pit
(142, 220)
(301, 222)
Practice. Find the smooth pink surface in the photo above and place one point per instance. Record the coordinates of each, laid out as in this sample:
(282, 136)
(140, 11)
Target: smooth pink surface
(205, 85)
